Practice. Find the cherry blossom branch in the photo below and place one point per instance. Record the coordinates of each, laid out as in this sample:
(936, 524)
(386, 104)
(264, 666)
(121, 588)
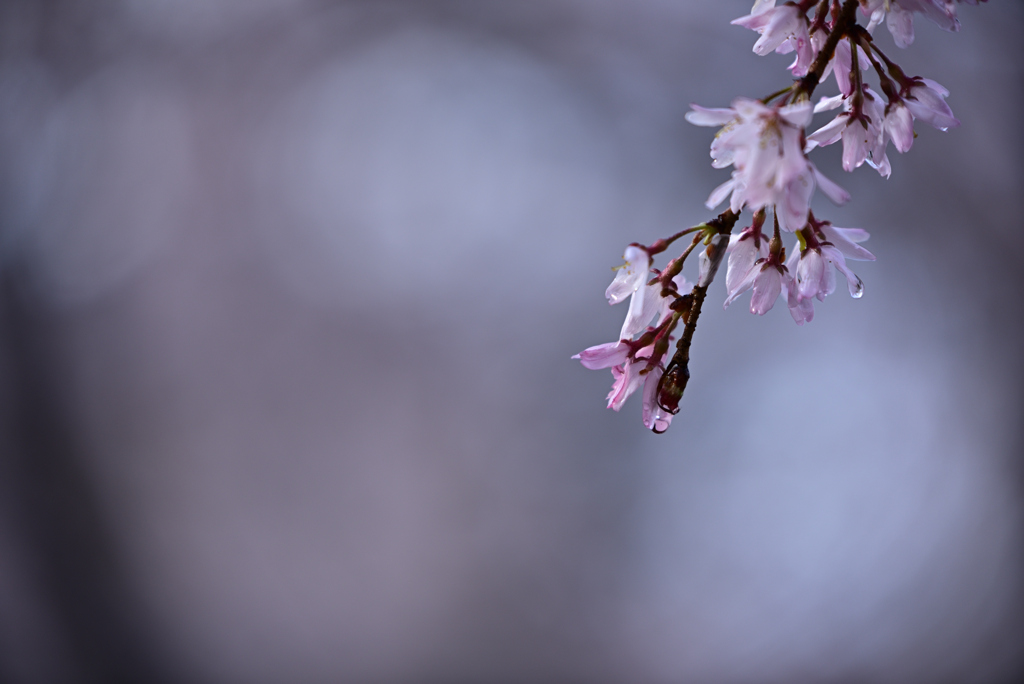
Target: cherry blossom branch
(768, 145)
(670, 390)
(846, 19)
(672, 385)
(805, 87)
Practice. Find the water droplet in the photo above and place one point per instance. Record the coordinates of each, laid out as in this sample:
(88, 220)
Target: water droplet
(857, 290)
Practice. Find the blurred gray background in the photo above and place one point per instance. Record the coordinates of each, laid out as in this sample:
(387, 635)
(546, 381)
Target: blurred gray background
(288, 291)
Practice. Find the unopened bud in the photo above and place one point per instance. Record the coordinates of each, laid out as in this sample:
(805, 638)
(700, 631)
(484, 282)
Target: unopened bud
(711, 257)
(671, 386)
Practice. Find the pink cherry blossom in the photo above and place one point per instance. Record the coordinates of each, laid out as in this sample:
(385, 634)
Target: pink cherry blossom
(926, 100)
(630, 275)
(899, 125)
(758, 267)
(630, 281)
(629, 365)
(923, 99)
(783, 29)
(765, 145)
(828, 245)
(804, 55)
(861, 127)
(899, 15)
(766, 277)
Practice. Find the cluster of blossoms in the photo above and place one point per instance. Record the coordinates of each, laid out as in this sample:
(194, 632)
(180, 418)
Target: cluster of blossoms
(766, 143)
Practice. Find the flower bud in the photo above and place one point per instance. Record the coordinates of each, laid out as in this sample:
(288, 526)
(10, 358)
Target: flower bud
(671, 386)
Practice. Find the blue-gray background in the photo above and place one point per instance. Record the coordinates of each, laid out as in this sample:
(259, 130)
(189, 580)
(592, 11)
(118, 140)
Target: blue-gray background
(288, 292)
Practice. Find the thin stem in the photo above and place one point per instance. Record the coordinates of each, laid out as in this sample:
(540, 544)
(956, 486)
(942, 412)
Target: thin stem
(870, 50)
(675, 266)
(766, 100)
(819, 17)
(663, 244)
(888, 87)
(857, 107)
(723, 225)
(696, 241)
(847, 18)
(894, 69)
(775, 246)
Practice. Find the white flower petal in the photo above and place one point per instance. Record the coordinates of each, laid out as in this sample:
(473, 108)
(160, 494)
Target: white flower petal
(830, 132)
(846, 239)
(826, 104)
(630, 276)
(646, 304)
(742, 255)
(830, 188)
(901, 25)
(798, 114)
(899, 124)
(720, 193)
(704, 116)
(743, 285)
(767, 287)
(603, 355)
(809, 272)
(856, 286)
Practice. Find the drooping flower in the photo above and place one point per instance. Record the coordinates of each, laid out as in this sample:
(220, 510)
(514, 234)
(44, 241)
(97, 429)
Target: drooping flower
(630, 280)
(861, 127)
(926, 100)
(766, 277)
(804, 56)
(629, 368)
(920, 98)
(745, 248)
(631, 364)
(783, 29)
(625, 363)
(765, 145)
(899, 15)
(899, 125)
(826, 245)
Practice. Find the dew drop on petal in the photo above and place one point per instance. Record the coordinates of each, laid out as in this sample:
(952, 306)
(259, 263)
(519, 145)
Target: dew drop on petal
(857, 289)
